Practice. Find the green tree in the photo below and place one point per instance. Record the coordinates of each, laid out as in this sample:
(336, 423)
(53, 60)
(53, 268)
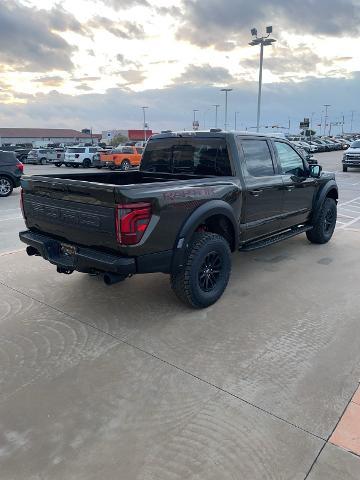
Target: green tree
(118, 139)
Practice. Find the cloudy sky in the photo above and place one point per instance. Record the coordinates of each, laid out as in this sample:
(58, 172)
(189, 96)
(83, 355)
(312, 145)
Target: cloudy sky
(82, 63)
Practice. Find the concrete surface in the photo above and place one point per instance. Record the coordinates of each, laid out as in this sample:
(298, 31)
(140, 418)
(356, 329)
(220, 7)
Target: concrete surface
(126, 382)
(335, 464)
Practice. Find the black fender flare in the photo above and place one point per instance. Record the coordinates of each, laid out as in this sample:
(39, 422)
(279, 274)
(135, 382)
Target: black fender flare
(200, 215)
(319, 200)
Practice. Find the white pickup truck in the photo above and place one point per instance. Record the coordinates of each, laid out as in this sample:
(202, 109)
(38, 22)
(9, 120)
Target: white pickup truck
(79, 156)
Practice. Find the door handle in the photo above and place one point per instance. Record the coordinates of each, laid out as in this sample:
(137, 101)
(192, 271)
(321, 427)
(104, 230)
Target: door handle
(256, 192)
(289, 188)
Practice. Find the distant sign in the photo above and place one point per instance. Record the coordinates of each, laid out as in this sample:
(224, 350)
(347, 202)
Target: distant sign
(305, 123)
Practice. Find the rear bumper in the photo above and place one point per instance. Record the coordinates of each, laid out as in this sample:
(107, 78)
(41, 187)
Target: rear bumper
(85, 259)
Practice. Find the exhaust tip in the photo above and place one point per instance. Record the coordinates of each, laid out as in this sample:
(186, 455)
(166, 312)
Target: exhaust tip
(111, 278)
(31, 251)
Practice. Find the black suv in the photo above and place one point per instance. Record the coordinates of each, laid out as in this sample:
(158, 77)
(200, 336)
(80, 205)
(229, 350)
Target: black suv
(10, 173)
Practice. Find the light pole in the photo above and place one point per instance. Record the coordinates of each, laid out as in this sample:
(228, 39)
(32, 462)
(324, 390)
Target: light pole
(216, 113)
(226, 90)
(352, 119)
(263, 42)
(236, 113)
(145, 126)
(195, 125)
(326, 116)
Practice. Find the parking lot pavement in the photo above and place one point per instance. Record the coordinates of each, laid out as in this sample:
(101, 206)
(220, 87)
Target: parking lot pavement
(125, 382)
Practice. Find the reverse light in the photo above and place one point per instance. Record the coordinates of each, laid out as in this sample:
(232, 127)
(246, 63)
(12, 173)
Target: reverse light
(131, 221)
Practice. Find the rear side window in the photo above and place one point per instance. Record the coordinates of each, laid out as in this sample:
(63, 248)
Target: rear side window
(258, 159)
(127, 150)
(76, 150)
(194, 156)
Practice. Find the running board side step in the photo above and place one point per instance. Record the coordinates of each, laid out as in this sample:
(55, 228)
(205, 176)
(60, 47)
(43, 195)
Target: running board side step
(248, 247)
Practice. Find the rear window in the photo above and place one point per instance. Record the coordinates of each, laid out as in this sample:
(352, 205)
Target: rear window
(195, 156)
(76, 150)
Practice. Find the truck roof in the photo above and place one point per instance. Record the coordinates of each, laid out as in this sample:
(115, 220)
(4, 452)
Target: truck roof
(215, 132)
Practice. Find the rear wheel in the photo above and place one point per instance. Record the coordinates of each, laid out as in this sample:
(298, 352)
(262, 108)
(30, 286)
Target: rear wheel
(125, 165)
(345, 168)
(86, 163)
(206, 271)
(57, 164)
(325, 224)
(43, 161)
(6, 186)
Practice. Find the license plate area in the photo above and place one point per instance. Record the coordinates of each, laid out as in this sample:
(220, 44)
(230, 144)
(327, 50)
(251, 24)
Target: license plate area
(68, 250)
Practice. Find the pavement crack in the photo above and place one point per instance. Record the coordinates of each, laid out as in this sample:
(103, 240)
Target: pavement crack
(329, 436)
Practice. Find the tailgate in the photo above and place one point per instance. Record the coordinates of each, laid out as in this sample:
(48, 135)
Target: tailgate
(76, 211)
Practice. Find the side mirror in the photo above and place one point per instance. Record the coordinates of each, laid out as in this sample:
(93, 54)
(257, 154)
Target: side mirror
(315, 171)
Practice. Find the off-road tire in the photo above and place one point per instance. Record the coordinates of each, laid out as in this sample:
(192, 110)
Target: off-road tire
(186, 281)
(345, 168)
(325, 224)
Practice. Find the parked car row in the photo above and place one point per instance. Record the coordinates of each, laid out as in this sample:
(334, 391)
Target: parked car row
(322, 144)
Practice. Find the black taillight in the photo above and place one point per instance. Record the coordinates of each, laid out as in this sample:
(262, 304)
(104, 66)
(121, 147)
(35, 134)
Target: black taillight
(131, 221)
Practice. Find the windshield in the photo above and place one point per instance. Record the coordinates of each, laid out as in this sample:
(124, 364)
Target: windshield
(76, 150)
(195, 156)
(356, 144)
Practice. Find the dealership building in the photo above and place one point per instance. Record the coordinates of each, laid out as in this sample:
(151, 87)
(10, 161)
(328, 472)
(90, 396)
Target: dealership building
(132, 135)
(43, 136)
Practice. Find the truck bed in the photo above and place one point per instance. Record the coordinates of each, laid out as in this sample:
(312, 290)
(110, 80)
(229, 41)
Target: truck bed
(80, 208)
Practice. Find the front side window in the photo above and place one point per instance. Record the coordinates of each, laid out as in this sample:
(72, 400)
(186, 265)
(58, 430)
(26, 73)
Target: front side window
(92, 150)
(356, 144)
(258, 159)
(290, 161)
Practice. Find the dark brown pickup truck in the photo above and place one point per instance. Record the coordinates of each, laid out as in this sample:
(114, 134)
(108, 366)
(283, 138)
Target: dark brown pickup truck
(197, 197)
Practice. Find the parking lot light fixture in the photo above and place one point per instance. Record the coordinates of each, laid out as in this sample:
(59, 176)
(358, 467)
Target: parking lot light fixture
(327, 105)
(263, 42)
(226, 90)
(145, 125)
(235, 123)
(216, 114)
